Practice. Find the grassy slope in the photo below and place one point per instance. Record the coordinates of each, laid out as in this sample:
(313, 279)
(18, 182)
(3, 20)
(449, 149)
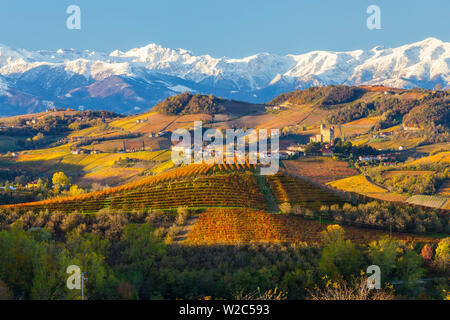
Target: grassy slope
(441, 157)
(359, 184)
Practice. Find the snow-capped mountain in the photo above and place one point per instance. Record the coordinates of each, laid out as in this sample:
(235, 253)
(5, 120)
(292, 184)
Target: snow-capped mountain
(137, 79)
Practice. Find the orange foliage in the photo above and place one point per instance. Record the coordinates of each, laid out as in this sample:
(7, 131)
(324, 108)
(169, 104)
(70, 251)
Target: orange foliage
(192, 186)
(231, 226)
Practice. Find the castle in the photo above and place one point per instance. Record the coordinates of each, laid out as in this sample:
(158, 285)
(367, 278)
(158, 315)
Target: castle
(326, 135)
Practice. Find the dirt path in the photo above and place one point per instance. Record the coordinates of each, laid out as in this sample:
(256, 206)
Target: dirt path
(186, 228)
(268, 195)
(170, 123)
(369, 179)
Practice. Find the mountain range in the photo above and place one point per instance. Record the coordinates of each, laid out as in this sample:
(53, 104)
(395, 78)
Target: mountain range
(134, 81)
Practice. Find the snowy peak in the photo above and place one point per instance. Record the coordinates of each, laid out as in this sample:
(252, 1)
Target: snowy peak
(152, 52)
(257, 78)
(424, 60)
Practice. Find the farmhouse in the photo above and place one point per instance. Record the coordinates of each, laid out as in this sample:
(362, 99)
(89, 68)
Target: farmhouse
(326, 152)
(384, 157)
(296, 148)
(367, 158)
(78, 151)
(274, 108)
(381, 135)
(31, 185)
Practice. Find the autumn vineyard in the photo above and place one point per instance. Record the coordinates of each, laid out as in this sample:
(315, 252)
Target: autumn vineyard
(102, 191)
(231, 226)
(235, 205)
(192, 186)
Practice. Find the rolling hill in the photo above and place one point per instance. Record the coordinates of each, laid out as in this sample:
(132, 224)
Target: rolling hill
(233, 226)
(227, 204)
(190, 186)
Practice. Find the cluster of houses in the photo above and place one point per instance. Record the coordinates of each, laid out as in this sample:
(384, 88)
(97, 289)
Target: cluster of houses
(85, 151)
(388, 159)
(381, 135)
(275, 108)
(158, 134)
(10, 188)
(10, 154)
(30, 185)
(57, 109)
(289, 152)
(299, 150)
(286, 153)
(30, 122)
(130, 150)
(327, 150)
(237, 154)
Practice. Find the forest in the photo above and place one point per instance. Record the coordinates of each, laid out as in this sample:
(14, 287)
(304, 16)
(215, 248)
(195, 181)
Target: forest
(131, 256)
(329, 95)
(432, 111)
(429, 183)
(187, 103)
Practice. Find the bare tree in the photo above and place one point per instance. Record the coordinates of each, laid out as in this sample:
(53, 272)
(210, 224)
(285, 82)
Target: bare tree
(354, 290)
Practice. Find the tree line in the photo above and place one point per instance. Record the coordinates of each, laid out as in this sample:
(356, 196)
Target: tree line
(129, 256)
(187, 103)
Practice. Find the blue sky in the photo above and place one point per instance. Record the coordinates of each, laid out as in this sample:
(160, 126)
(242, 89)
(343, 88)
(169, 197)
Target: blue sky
(233, 28)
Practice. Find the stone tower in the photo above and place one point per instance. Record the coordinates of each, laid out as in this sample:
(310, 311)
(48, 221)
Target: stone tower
(327, 134)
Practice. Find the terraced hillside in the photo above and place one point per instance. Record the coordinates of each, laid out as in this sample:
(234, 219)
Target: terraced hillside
(231, 226)
(300, 192)
(194, 186)
(190, 186)
(444, 191)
